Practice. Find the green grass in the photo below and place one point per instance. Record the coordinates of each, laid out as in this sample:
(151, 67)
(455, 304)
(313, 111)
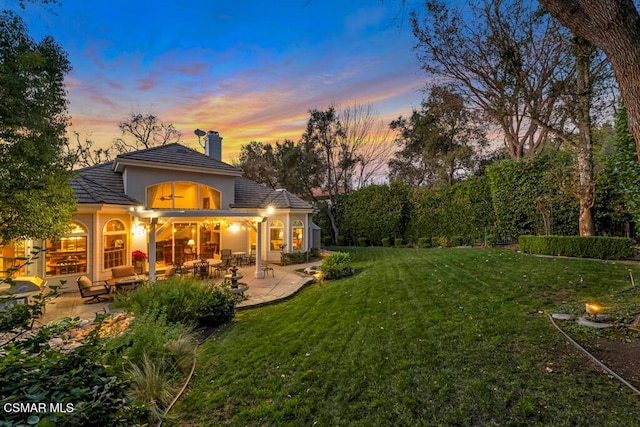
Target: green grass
(416, 337)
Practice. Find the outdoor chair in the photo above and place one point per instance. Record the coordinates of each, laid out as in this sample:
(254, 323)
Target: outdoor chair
(266, 268)
(124, 278)
(201, 269)
(225, 255)
(92, 290)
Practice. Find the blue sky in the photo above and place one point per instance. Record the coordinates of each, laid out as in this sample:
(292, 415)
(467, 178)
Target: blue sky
(248, 69)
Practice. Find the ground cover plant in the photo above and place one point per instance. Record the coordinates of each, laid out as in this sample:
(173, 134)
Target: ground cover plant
(416, 337)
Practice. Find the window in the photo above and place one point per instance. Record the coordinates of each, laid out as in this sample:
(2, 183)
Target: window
(297, 235)
(182, 195)
(115, 244)
(9, 255)
(67, 255)
(276, 237)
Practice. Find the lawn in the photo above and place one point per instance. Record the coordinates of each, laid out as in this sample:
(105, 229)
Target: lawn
(416, 337)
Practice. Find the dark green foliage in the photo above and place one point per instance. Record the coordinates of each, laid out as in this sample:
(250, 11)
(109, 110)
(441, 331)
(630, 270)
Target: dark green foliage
(576, 246)
(463, 209)
(534, 196)
(398, 242)
(326, 240)
(183, 300)
(148, 334)
(336, 265)
(624, 170)
(386, 242)
(376, 212)
(362, 241)
(457, 241)
(299, 257)
(36, 199)
(437, 142)
(424, 242)
(96, 391)
(341, 241)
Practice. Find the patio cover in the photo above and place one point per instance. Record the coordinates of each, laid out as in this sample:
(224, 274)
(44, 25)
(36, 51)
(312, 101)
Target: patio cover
(152, 215)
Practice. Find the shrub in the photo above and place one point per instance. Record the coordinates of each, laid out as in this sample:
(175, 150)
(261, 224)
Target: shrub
(577, 246)
(341, 241)
(188, 301)
(78, 378)
(398, 242)
(326, 240)
(362, 241)
(492, 240)
(440, 242)
(424, 242)
(386, 242)
(155, 355)
(457, 241)
(336, 265)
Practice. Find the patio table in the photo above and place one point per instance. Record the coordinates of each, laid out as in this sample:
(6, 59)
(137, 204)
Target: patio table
(125, 284)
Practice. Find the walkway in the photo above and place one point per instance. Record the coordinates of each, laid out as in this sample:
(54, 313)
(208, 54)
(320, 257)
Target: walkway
(285, 283)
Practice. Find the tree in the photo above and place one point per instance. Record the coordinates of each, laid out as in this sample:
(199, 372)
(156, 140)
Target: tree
(504, 60)
(552, 78)
(625, 167)
(439, 142)
(36, 200)
(341, 149)
(367, 137)
(83, 154)
(576, 104)
(144, 131)
(258, 163)
(614, 27)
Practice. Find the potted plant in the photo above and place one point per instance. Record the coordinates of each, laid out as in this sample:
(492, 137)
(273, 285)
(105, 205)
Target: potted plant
(139, 259)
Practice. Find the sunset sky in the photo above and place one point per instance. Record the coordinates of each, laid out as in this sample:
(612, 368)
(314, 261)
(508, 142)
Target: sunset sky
(248, 69)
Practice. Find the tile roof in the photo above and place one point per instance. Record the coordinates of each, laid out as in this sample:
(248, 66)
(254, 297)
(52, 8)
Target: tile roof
(178, 155)
(249, 194)
(100, 184)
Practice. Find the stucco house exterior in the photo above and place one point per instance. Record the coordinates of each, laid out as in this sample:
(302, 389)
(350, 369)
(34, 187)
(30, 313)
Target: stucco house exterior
(174, 204)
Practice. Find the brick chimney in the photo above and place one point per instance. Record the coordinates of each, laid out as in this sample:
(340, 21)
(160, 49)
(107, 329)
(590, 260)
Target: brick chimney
(213, 145)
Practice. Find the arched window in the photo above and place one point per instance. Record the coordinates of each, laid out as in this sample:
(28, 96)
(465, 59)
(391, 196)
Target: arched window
(182, 195)
(276, 235)
(114, 248)
(68, 254)
(297, 235)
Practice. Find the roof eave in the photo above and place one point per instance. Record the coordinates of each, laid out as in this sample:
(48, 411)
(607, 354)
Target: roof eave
(120, 164)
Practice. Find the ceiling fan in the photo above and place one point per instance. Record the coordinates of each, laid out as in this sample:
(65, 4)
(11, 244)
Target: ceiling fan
(171, 197)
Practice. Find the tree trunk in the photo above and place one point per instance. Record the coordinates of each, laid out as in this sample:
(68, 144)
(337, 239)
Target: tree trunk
(334, 225)
(586, 181)
(614, 27)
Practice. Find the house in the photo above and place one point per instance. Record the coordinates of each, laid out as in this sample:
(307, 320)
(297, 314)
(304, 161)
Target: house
(174, 204)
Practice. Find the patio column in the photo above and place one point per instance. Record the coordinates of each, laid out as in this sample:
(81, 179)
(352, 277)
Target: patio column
(259, 274)
(152, 250)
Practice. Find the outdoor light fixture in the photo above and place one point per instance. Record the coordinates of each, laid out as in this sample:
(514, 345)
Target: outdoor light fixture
(234, 227)
(137, 229)
(592, 309)
(270, 210)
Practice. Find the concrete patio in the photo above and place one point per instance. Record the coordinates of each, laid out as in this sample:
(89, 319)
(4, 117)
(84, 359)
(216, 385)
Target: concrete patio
(285, 283)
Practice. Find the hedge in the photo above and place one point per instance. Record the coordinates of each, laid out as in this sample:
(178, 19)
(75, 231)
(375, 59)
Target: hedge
(576, 246)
